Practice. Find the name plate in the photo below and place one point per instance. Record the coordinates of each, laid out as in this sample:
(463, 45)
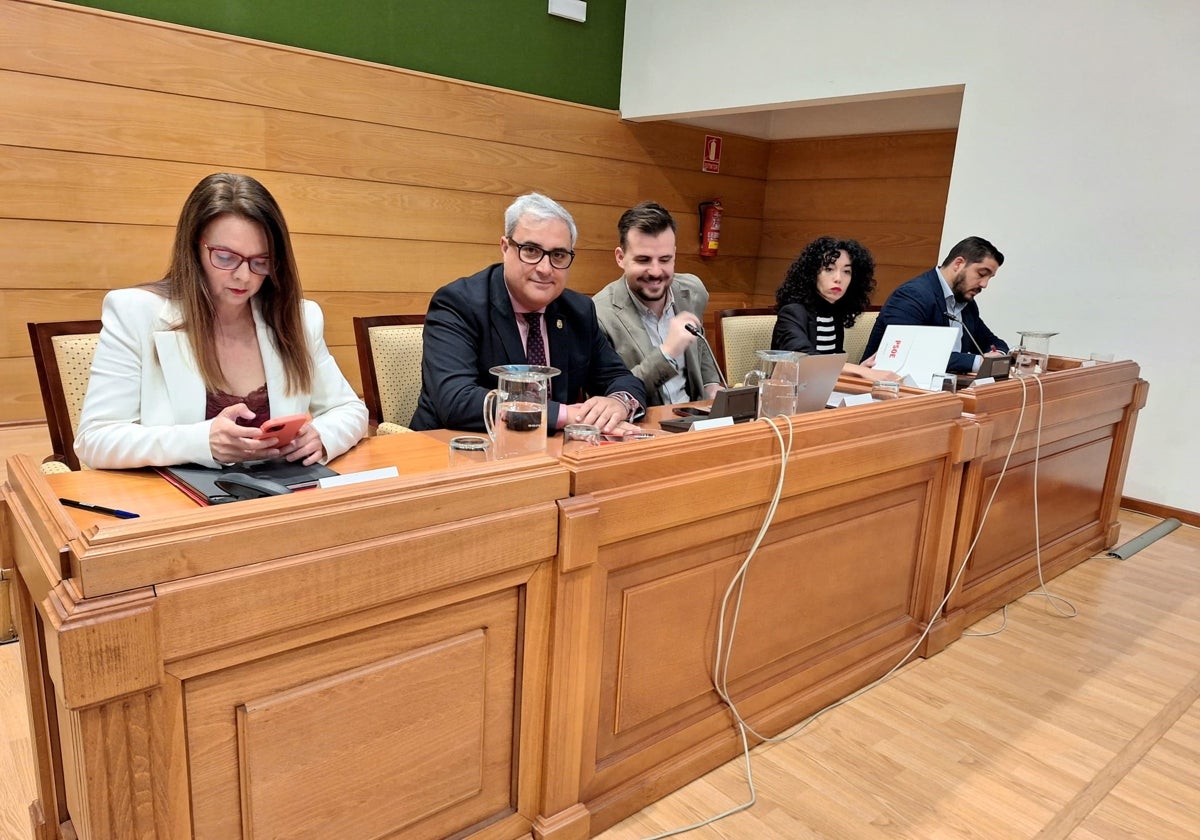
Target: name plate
(358, 477)
(712, 423)
(854, 399)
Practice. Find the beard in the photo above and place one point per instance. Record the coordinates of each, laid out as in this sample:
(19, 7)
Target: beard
(958, 288)
(649, 295)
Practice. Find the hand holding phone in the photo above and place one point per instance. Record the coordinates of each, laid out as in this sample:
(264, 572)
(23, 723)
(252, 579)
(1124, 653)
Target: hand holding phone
(284, 429)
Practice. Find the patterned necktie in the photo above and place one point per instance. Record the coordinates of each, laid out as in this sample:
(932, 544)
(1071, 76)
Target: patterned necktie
(535, 347)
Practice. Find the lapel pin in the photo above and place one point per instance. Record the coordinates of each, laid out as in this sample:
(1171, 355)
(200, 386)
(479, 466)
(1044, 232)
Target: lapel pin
(558, 324)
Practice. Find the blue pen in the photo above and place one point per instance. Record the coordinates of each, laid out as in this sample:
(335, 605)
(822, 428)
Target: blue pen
(120, 514)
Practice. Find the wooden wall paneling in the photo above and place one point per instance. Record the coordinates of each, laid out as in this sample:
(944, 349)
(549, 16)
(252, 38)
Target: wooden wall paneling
(224, 68)
(315, 144)
(535, 121)
(915, 154)
(887, 191)
(770, 275)
(20, 306)
(369, 265)
(110, 189)
(306, 143)
(61, 254)
(69, 115)
(890, 242)
(849, 200)
(211, 65)
(68, 186)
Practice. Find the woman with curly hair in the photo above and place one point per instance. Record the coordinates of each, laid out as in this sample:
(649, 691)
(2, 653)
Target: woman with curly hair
(826, 289)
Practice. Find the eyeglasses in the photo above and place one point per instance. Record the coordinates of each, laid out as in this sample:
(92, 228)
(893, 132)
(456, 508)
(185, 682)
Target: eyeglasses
(530, 253)
(227, 260)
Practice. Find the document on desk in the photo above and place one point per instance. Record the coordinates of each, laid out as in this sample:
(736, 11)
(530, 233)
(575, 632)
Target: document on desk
(916, 352)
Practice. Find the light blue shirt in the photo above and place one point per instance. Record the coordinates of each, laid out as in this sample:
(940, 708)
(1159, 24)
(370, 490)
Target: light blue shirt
(674, 390)
(956, 307)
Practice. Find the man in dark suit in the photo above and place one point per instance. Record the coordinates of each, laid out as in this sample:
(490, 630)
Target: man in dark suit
(945, 296)
(519, 311)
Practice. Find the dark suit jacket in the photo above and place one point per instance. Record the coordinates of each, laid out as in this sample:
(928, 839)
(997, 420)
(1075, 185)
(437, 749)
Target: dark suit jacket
(470, 327)
(921, 301)
(796, 330)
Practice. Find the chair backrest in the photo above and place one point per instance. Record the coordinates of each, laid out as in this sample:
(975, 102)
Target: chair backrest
(62, 353)
(855, 339)
(389, 359)
(740, 332)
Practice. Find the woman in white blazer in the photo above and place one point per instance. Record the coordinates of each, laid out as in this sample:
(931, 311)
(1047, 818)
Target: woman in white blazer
(187, 368)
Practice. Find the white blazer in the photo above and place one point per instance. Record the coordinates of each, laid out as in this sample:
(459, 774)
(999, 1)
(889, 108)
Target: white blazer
(145, 400)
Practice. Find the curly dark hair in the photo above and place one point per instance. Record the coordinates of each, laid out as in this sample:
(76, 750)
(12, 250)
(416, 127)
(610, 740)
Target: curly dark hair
(800, 284)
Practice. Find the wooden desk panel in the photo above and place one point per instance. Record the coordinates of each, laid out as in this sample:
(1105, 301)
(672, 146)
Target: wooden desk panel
(843, 585)
(1087, 417)
(555, 620)
(369, 659)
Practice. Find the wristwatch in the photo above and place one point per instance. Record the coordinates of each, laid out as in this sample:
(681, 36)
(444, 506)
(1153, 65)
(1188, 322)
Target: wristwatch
(632, 406)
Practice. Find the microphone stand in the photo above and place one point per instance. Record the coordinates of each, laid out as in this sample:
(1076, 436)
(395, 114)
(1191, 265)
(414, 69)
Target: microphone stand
(707, 347)
(954, 317)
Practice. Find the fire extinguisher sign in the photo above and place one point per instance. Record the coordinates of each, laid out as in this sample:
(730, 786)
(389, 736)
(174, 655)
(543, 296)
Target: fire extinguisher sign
(712, 154)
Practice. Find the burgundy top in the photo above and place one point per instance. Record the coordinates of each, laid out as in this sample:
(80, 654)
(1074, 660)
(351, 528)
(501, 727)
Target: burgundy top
(257, 401)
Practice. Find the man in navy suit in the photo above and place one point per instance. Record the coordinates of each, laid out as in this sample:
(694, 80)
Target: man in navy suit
(519, 311)
(945, 296)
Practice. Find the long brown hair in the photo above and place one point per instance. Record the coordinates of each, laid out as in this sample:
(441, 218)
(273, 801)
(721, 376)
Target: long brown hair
(279, 298)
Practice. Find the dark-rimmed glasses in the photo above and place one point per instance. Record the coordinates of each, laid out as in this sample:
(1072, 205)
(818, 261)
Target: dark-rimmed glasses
(532, 254)
(227, 260)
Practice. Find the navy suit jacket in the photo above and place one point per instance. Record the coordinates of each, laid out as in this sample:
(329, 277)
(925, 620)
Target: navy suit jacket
(921, 302)
(471, 327)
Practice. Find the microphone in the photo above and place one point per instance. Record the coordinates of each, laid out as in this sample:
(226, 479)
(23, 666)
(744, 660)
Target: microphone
(694, 330)
(954, 317)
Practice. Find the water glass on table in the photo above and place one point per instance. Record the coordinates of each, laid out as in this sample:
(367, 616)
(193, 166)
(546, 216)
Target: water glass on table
(468, 449)
(579, 437)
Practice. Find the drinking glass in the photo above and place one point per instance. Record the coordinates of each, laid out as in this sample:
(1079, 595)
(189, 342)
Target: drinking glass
(468, 449)
(579, 437)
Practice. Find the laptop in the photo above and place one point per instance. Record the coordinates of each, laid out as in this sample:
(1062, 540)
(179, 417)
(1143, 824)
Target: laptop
(817, 374)
(915, 351)
(740, 403)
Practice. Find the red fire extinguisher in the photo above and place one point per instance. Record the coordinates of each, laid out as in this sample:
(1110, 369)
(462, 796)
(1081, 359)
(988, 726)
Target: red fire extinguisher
(710, 227)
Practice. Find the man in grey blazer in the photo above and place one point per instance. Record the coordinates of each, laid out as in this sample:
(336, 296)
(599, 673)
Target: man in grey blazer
(646, 312)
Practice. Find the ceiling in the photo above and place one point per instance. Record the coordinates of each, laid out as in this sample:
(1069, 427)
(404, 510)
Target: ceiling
(877, 114)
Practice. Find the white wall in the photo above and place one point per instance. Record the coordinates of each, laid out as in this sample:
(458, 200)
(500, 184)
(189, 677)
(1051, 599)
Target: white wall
(1077, 156)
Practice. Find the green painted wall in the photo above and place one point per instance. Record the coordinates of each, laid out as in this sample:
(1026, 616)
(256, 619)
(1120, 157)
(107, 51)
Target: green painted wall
(512, 44)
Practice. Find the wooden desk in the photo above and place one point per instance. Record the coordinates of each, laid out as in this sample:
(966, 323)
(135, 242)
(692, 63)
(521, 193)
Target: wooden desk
(849, 575)
(359, 662)
(523, 647)
(1088, 416)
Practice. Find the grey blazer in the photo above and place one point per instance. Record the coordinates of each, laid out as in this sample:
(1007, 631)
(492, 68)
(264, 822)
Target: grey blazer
(621, 321)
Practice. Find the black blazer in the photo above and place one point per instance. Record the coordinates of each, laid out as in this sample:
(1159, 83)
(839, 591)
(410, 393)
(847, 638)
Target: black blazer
(921, 302)
(471, 327)
(796, 330)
